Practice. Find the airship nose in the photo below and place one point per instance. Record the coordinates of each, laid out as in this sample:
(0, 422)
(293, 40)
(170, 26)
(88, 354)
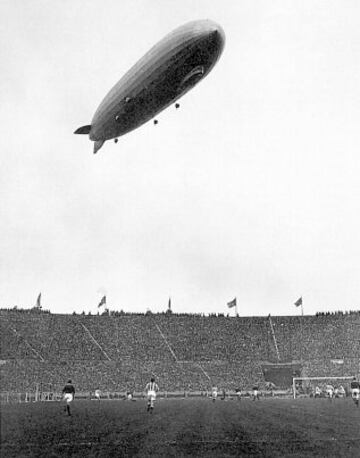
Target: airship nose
(218, 37)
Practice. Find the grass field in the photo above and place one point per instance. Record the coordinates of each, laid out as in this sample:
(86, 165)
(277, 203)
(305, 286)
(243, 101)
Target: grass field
(268, 428)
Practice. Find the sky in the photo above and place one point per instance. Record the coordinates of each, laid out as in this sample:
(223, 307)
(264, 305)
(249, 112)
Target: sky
(250, 190)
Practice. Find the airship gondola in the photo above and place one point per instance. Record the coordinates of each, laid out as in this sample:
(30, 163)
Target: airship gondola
(163, 75)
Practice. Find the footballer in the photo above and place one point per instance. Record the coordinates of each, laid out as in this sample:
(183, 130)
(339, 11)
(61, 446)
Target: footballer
(97, 394)
(355, 392)
(69, 395)
(317, 392)
(214, 393)
(329, 391)
(341, 392)
(256, 393)
(151, 389)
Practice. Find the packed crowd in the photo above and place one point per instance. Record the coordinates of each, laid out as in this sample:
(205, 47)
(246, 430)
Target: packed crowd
(185, 351)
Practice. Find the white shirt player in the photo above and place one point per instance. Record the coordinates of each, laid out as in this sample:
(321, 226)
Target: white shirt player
(329, 391)
(97, 394)
(341, 391)
(214, 393)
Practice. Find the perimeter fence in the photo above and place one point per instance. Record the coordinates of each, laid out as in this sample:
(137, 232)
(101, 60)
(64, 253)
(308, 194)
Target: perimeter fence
(48, 396)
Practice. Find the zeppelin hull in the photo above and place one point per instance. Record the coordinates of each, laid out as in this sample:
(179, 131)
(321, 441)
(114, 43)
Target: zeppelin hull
(170, 69)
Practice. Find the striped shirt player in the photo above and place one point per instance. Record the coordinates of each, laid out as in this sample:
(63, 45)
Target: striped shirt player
(151, 389)
(69, 394)
(355, 392)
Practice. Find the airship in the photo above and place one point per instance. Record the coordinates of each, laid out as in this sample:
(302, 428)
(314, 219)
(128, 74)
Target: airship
(164, 74)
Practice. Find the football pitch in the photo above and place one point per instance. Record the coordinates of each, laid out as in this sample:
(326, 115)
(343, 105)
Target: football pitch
(178, 428)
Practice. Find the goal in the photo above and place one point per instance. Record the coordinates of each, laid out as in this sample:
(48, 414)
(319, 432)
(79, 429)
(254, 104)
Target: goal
(306, 385)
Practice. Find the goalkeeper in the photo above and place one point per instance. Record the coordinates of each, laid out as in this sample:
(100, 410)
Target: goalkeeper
(355, 392)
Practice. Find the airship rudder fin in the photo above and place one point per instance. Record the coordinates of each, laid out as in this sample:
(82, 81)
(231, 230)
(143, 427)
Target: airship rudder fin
(83, 130)
(97, 145)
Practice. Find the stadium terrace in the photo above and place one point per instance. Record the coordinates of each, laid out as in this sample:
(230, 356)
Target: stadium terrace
(119, 352)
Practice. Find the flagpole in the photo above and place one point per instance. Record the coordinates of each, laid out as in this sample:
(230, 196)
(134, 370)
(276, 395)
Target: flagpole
(297, 303)
(301, 331)
(236, 309)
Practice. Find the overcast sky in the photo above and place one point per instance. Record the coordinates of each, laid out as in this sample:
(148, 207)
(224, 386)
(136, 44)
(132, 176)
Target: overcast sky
(251, 189)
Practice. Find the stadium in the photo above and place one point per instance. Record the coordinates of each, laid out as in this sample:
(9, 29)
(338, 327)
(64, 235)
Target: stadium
(227, 166)
(189, 352)
(188, 355)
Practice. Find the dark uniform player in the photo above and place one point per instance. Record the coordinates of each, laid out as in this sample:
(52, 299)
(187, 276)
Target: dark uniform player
(355, 392)
(69, 394)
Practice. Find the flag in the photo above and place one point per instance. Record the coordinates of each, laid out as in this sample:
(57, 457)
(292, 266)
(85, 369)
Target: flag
(298, 302)
(232, 303)
(38, 301)
(169, 304)
(102, 302)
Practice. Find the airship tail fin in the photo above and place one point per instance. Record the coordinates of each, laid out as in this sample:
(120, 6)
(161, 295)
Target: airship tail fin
(83, 130)
(97, 145)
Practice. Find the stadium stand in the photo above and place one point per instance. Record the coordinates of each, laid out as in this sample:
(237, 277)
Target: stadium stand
(120, 351)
